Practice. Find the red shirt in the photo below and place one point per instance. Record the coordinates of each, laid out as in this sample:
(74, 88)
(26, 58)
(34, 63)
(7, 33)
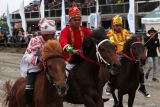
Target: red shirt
(74, 38)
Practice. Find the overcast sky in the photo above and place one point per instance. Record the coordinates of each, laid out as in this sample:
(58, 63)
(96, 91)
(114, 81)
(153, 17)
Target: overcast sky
(12, 4)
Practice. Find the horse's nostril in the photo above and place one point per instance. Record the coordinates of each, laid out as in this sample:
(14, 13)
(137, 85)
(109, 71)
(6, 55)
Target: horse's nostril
(62, 89)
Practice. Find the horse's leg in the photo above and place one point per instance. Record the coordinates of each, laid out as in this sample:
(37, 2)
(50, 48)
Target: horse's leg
(100, 103)
(114, 97)
(89, 102)
(131, 97)
(120, 99)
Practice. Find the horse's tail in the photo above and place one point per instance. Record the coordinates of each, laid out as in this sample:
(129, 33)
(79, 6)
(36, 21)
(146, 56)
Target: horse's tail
(8, 92)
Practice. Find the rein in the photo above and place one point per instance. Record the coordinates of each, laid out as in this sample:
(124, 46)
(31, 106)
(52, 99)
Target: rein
(99, 56)
(88, 59)
(131, 57)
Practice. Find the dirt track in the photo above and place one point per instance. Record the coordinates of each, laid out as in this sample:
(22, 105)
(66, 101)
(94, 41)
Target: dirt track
(9, 69)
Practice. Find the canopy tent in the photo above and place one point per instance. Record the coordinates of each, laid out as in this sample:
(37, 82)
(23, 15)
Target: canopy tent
(152, 19)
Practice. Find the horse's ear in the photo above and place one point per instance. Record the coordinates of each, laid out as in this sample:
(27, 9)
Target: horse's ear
(87, 44)
(95, 41)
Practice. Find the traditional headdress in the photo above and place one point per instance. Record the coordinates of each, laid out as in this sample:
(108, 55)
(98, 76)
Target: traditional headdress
(47, 26)
(74, 11)
(117, 20)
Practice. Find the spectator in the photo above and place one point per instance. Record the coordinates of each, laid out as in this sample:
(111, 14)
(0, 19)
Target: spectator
(152, 45)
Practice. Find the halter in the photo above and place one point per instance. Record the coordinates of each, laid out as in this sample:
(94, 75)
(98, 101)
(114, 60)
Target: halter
(45, 68)
(131, 57)
(99, 56)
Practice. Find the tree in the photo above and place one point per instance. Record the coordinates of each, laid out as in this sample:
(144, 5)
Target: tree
(3, 21)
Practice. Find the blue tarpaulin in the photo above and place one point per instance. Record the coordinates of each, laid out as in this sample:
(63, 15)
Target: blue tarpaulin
(3, 30)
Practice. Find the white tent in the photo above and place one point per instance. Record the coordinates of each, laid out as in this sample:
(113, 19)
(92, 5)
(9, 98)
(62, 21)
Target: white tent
(152, 19)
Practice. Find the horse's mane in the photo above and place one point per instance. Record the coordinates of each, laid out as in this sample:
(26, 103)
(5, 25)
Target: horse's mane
(96, 36)
(51, 48)
(99, 33)
(128, 43)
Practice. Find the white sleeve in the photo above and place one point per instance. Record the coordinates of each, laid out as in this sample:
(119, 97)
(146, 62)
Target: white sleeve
(30, 58)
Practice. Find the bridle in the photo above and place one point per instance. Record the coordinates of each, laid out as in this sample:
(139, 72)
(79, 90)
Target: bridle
(132, 57)
(100, 59)
(98, 54)
(44, 62)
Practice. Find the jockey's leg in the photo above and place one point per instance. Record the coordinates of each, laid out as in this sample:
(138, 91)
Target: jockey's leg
(69, 66)
(112, 77)
(29, 88)
(142, 88)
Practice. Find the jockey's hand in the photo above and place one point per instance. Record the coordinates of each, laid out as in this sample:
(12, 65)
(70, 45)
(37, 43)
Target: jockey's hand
(38, 53)
(75, 51)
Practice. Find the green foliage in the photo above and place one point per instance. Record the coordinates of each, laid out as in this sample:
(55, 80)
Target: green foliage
(3, 21)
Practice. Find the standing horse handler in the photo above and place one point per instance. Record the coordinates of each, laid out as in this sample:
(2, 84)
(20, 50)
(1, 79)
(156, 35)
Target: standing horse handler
(72, 36)
(29, 63)
(119, 35)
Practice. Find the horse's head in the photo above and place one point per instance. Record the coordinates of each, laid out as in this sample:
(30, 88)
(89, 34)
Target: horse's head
(54, 65)
(99, 44)
(134, 49)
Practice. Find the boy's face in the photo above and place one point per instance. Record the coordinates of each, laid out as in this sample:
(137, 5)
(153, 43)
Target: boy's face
(48, 36)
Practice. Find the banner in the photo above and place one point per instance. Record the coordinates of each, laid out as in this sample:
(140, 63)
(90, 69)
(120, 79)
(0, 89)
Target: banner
(94, 20)
(21, 12)
(42, 9)
(96, 24)
(131, 16)
(9, 22)
(63, 16)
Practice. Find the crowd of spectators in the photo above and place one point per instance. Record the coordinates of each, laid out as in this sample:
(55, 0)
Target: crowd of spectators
(52, 4)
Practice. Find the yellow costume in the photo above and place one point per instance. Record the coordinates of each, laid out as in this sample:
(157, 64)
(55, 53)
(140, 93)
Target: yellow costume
(118, 38)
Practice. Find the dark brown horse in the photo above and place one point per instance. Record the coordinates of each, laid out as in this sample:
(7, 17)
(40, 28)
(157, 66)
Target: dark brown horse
(50, 84)
(127, 81)
(86, 80)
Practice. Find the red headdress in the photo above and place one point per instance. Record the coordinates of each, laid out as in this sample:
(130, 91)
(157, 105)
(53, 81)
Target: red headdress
(74, 11)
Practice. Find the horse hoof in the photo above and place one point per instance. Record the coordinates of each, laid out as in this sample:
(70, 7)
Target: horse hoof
(105, 99)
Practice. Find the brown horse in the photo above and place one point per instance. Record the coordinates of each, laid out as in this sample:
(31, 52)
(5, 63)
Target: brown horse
(127, 81)
(50, 84)
(86, 80)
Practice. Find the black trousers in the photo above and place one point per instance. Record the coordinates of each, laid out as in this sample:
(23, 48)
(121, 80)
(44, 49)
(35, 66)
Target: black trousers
(141, 77)
(29, 88)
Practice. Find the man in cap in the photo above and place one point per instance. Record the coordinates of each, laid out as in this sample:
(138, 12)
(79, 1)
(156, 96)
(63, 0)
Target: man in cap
(72, 36)
(29, 63)
(152, 44)
(118, 35)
